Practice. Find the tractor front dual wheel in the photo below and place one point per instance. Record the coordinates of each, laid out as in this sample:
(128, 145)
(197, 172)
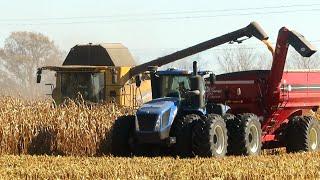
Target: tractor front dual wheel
(122, 134)
(303, 134)
(182, 130)
(209, 137)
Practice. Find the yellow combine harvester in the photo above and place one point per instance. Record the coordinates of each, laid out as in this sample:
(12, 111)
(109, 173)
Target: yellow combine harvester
(99, 73)
(107, 72)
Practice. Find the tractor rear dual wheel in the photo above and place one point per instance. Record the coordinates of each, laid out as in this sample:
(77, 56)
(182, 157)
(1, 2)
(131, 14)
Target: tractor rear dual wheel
(244, 132)
(303, 134)
(209, 137)
(122, 136)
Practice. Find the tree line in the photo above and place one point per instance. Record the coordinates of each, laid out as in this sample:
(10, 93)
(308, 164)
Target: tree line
(23, 52)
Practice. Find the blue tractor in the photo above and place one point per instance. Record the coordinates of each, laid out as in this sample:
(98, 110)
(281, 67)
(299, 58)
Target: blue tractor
(176, 119)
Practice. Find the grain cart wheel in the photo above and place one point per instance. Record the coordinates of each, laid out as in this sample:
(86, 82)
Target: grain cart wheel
(209, 137)
(182, 129)
(122, 136)
(248, 138)
(303, 134)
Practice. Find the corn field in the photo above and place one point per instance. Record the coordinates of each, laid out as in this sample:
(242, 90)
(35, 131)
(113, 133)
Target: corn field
(36, 127)
(78, 131)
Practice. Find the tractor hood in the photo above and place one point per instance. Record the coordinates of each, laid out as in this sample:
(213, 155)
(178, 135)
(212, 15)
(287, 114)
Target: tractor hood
(159, 106)
(157, 116)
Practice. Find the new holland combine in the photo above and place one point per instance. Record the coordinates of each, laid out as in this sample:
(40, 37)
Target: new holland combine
(98, 73)
(235, 113)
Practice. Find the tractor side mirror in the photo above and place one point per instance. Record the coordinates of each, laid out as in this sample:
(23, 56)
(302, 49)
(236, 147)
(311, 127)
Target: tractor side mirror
(212, 78)
(138, 80)
(39, 72)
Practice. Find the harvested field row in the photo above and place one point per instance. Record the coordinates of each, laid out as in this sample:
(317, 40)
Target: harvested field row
(286, 166)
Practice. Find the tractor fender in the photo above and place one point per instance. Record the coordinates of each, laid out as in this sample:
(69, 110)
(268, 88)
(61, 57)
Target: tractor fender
(220, 109)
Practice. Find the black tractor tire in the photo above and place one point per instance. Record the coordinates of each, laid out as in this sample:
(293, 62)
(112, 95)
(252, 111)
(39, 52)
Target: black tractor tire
(122, 136)
(182, 130)
(245, 134)
(209, 137)
(302, 134)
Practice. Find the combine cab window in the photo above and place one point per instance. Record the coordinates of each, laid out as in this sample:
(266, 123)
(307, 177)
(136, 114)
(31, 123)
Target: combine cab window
(89, 85)
(174, 86)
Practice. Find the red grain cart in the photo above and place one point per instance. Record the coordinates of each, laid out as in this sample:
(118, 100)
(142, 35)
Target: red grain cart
(271, 108)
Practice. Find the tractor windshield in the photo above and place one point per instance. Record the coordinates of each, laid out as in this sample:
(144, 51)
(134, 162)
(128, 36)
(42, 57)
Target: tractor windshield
(89, 85)
(174, 86)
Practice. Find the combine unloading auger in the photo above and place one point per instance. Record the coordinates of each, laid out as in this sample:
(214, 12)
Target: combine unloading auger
(253, 29)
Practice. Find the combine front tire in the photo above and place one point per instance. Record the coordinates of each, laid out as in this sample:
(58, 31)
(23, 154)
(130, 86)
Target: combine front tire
(209, 137)
(303, 134)
(122, 136)
(182, 130)
(245, 134)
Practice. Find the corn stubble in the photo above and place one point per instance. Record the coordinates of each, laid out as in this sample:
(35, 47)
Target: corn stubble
(285, 166)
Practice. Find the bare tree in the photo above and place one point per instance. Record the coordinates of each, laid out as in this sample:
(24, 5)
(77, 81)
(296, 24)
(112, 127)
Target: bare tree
(242, 59)
(22, 54)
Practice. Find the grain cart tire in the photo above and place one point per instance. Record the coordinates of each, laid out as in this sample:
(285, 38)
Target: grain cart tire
(303, 134)
(182, 130)
(122, 136)
(248, 139)
(209, 137)
(232, 124)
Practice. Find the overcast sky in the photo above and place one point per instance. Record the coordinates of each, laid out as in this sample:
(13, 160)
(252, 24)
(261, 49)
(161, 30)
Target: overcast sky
(146, 26)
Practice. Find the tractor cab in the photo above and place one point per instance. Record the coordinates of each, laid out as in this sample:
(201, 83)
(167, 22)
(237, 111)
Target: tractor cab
(183, 85)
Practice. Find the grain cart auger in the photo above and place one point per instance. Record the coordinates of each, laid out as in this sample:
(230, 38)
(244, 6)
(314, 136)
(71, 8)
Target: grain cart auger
(271, 108)
(176, 118)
